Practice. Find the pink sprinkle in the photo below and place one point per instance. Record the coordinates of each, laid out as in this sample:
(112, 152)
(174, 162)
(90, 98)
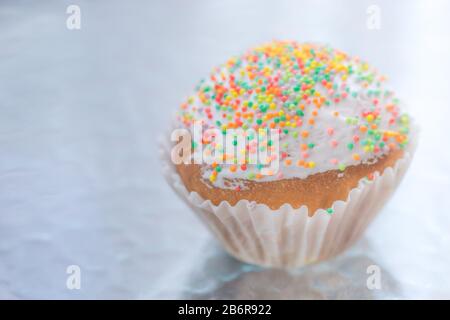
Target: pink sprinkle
(330, 131)
(334, 143)
(334, 161)
(355, 138)
(280, 175)
(305, 155)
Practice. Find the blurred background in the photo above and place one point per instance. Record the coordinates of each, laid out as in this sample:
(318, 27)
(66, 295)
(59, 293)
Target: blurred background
(81, 110)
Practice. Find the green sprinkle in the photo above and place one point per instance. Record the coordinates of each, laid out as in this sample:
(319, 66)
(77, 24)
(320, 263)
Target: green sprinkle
(263, 107)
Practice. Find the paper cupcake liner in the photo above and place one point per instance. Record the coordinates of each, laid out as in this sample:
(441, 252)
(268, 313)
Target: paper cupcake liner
(289, 237)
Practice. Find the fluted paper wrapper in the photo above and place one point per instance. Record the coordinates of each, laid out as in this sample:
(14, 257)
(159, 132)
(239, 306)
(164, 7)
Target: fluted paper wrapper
(288, 237)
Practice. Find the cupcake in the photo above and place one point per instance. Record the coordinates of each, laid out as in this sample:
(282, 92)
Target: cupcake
(288, 151)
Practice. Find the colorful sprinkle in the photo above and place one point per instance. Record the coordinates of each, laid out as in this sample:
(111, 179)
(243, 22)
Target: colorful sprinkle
(301, 90)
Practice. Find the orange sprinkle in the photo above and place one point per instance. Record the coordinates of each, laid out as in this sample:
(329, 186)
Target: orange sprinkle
(305, 134)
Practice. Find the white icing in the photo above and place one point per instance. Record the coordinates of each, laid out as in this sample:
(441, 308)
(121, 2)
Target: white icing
(328, 129)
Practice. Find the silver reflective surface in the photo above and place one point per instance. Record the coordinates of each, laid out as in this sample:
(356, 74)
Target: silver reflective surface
(80, 112)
